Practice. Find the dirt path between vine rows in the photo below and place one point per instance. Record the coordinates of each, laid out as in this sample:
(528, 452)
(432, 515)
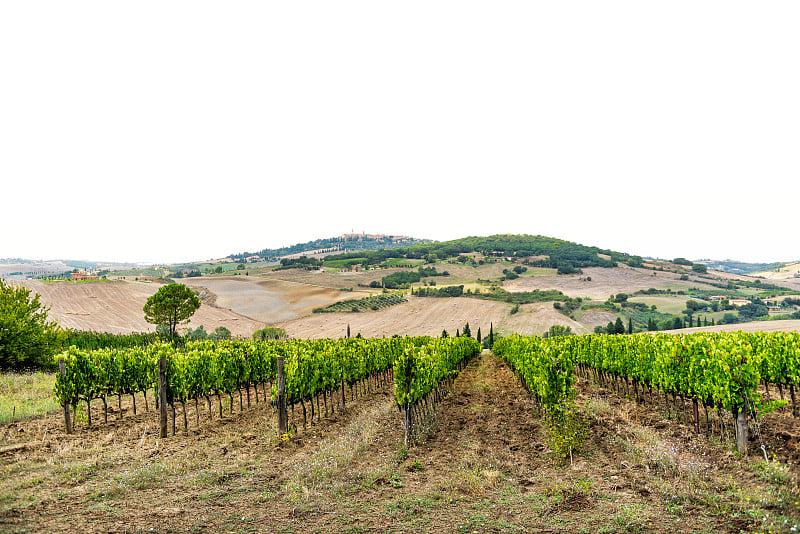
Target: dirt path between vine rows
(485, 464)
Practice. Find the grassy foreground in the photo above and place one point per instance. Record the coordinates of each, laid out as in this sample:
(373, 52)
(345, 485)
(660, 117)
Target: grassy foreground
(24, 395)
(485, 466)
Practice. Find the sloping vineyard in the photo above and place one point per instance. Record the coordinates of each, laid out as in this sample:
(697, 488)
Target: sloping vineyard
(314, 371)
(718, 371)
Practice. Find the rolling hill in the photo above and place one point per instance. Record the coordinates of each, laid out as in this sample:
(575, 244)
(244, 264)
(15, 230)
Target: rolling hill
(513, 283)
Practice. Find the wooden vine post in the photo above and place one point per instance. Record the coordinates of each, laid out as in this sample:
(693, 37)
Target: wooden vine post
(67, 418)
(741, 432)
(283, 416)
(162, 395)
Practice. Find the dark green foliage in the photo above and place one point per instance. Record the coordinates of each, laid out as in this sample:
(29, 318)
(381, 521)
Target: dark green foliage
(443, 292)
(27, 339)
(527, 297)
(172, 305)
(466, 332)
(354, 243)
(299, 263)
(565, 256)
(616, 327)
(269, 333)
(220, 333)
(752, 311)
(403, 279)
(197, 333)
(729, 318)
(558, 330)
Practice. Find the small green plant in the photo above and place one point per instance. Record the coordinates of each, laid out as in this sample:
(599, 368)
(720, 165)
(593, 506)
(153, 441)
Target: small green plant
(568, 429)
(402, 453)
(773, 472)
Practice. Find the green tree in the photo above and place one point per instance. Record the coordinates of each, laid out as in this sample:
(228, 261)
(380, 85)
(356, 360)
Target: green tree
(27, 338)
(478, 335)
(557, 330)
(269, 333)
(172, 305)
(466, 332)
(619, 328)
(197, 333)
(220, 332)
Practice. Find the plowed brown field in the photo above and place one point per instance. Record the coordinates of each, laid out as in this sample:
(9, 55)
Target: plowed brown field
(116, 307)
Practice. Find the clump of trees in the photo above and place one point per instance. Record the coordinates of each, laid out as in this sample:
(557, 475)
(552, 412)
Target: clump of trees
(27, 339)
(199, 333)
(302, 262)
(404, 279)
(269, 333)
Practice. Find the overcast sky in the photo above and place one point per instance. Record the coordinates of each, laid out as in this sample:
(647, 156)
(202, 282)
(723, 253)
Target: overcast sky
(161, 131)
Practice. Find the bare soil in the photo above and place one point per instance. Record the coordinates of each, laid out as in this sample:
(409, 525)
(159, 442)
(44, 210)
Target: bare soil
(116, 307)
(606, 282)
(418, 317)
(485, 465)
(269, 300)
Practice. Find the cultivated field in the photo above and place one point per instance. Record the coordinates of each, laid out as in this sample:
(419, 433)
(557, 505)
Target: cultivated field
(287, 298)
(486, 465)
(269, 300)
(418, 316)
(606, 282)
(116, 307)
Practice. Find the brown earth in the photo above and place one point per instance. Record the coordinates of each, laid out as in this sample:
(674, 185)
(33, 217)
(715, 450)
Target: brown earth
(331, 278)
(605, 282)
(428, 316)
(117, 307)
(419, 316)
(270, 300)
(286, 299)
(485, 464)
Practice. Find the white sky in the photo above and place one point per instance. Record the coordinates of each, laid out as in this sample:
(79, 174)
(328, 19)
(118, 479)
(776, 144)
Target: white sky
(174, 131)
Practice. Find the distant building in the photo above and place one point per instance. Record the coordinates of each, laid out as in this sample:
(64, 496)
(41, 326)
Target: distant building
(739, 302)
(82, 276)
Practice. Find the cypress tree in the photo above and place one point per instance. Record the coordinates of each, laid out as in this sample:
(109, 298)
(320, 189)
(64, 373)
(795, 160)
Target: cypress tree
(478, 337)
(619, 328)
